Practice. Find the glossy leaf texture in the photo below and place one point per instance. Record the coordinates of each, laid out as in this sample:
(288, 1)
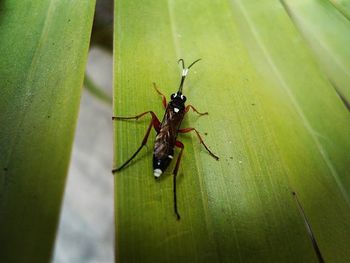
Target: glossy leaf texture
(43, 47)
(275, 121)
(327, 30)
(343, 6)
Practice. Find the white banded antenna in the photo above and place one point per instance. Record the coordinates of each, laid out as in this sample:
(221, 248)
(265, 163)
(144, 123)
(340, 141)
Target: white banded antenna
(184, 72)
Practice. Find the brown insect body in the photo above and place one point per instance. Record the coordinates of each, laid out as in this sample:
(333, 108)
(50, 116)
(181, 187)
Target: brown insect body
(167, 132)
(166, 137)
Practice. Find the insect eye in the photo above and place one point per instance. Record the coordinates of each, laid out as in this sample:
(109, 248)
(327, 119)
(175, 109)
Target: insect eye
(173, 96)
(183, 97)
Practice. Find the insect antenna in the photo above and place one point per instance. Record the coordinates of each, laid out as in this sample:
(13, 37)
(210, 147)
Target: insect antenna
(194, 62)
(185, 72)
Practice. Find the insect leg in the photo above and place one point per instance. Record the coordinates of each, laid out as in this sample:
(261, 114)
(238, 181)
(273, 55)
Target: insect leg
(185, 130)
(135, 117)
(181, 146)
(195, 110)
(161, 94)
(156, 124)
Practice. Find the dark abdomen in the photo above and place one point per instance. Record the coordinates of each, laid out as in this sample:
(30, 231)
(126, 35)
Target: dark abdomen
(165, 140)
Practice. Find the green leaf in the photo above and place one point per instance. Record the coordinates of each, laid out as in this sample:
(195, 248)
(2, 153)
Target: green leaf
(43, 49)
(275, 121)
(96, 91)
(328, 33)
(343, 6)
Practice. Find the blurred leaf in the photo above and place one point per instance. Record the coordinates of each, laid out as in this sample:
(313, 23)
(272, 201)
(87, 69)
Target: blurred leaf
(102, 30)
(96, 91)
(274, 120)
(328, 33)
(43, 50)
(343, 6)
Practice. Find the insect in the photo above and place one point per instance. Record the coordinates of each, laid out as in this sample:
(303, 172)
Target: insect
(167, 131)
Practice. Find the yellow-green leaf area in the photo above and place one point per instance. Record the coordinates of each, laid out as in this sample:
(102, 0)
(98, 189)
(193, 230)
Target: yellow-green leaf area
(274, 119)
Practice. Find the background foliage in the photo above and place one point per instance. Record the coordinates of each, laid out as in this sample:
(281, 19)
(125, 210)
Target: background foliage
(274, 78)
(43, 51)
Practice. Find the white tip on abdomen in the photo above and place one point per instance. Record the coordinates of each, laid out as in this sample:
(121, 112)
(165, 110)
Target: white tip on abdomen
(157, 172)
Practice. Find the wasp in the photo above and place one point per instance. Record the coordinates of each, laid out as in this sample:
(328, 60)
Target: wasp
(167, 131)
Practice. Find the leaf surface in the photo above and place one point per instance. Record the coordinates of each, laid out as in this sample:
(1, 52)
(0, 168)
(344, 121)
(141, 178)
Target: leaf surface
(43, 47)
(274, 119)
(327, 30)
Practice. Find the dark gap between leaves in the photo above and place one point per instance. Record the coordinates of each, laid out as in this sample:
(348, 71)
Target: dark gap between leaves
(309, 230)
